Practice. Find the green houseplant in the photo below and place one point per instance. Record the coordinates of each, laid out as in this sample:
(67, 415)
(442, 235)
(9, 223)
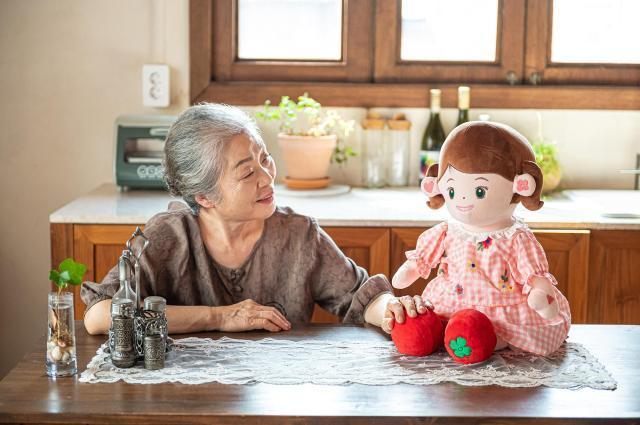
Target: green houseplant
(61, 346)
(310, 137)
(546, 158)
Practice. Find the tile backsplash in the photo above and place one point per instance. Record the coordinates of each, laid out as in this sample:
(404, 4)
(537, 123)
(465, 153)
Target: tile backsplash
(592, 144)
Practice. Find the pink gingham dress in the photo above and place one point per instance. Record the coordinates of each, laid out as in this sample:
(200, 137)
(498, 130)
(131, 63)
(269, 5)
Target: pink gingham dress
(491, 272)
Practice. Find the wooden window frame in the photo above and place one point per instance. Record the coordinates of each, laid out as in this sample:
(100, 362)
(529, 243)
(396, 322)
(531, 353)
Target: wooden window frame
(206, 85)
(390, 68)
(355, 64)
(538, 65)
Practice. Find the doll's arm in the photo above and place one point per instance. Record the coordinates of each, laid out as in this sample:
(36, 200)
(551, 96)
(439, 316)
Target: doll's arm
(406, 275)
(541, 298)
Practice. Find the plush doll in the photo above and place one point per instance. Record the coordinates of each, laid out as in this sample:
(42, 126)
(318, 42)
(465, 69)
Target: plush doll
(493, 285)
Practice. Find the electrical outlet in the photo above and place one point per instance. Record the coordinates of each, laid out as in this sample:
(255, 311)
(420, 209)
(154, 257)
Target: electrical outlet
(155, 85)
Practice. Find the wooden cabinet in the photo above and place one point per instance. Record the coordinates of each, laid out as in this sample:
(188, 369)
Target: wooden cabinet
(598, 271)
(367, 246)
(614, 277)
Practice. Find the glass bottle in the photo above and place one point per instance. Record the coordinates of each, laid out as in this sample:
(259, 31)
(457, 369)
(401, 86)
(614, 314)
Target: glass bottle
(433, 136)
(464, 100)
(61, 336)
(399, 145)
(373, 147)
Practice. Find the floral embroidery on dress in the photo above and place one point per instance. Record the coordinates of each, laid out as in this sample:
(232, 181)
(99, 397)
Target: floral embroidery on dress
(505, 286)
(472, 265)
(459, 289)
(485, 244)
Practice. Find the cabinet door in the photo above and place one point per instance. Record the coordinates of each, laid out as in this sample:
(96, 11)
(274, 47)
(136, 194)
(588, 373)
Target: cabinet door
(567, 252)
(98, 246)
(614, 282)
(568, 257)
(367, 246)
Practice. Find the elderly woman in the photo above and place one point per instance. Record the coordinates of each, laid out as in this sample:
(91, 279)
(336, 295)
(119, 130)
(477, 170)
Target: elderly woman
(230, 260)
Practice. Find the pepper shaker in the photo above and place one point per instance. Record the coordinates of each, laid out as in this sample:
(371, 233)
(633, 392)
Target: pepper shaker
(122, 331)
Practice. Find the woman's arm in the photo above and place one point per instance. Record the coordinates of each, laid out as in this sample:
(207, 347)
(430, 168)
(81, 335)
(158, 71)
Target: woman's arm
(243, 316)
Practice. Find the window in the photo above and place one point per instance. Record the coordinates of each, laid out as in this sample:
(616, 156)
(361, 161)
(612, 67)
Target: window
(290, 40)
(426, 33)
(583, 42)
(459, 41)
(267, 30)
(514, 53)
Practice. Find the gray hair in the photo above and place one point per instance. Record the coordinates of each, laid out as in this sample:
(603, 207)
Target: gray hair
(195, 146)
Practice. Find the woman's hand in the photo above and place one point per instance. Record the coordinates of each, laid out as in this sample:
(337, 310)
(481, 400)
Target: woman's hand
(248, 315)
(395, 311)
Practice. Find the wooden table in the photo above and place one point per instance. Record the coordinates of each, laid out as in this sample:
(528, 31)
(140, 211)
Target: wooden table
(27, 395)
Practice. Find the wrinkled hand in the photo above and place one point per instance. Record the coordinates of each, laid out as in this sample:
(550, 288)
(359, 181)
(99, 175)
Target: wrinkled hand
(396, 307)
(248, 315)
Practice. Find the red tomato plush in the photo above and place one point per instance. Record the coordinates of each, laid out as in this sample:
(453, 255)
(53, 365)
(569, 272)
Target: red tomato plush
(418, 336)
(469, 337)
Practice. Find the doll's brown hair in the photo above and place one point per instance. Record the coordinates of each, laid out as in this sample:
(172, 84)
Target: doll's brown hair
(488, 147)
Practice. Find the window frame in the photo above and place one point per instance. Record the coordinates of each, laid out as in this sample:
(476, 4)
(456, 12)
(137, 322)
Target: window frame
(206, 85)
(354, 66)
(509, 50)
(540, 69)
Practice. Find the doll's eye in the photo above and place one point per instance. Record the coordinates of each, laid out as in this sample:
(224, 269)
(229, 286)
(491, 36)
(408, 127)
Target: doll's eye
(452, 193)
(481, 192)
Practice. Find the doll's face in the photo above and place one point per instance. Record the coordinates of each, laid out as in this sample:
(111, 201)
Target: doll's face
(476, 199)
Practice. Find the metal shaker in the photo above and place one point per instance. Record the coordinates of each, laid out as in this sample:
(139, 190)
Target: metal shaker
(122, 331)
(156, 332)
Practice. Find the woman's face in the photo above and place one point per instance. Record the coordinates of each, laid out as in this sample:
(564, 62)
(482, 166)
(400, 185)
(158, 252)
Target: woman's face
(246, 184)
(477, 199)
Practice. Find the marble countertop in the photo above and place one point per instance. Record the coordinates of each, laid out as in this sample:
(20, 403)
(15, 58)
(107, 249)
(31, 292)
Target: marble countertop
(389, 207)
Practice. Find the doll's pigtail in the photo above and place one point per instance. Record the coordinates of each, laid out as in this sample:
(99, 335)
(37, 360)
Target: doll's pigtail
(532, 202)
(437, 201)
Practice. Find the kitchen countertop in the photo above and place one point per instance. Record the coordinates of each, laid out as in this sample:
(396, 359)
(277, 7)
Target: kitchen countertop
(389, 207)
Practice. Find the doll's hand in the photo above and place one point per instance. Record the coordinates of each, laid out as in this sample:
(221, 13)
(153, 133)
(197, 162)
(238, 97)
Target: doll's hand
(406, 275)
(542, 300)
(396, 307)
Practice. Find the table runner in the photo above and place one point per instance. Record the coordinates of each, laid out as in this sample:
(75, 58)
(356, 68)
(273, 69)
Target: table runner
(277, 361)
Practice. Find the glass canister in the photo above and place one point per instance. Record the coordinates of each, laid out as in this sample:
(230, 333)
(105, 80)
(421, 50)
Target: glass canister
(373, 149)
(398, 145)
(61, 336)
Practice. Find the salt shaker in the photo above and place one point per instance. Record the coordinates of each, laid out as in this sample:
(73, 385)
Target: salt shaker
(155, 332)
(122, 331)
(398, 146)
(373, 150)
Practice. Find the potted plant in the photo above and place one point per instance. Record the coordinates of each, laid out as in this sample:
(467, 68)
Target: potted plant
(310, 138)
(61, 344)
(546, 158)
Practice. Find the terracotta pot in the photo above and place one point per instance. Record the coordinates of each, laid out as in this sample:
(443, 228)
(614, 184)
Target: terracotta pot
(307, 157)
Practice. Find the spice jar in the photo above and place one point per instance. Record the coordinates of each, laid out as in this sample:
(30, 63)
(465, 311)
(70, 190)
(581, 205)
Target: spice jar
(122, 331)
(398, 146)
(373, 148)
(154, 332)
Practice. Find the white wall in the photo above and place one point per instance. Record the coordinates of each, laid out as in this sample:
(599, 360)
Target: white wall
(69, 67)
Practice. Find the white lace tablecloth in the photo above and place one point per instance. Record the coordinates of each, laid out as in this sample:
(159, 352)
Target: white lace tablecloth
(277, 361)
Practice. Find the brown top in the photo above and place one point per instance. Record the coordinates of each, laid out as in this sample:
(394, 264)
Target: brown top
(293, 265)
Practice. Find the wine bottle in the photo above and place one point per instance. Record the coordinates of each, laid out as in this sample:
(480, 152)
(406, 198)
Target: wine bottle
(464, 100)
(433, 136)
